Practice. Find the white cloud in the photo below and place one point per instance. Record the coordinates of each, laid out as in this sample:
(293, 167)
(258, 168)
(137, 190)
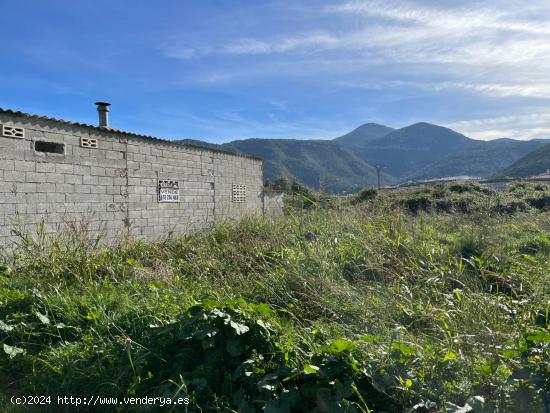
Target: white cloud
(461, 18)
(526, 126)
(496, 49)
(307, 41)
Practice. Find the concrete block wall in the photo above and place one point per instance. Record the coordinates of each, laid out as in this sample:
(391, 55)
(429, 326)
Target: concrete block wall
(273, 204)
(228, 170)
(113, 188)
(149, 162)
(83, 185)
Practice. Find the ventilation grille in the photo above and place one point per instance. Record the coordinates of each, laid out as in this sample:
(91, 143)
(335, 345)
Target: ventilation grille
(239, 193)
(88, 143)
(13, 131)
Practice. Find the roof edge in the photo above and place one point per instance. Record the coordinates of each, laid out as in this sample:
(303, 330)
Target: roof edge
(122, 132)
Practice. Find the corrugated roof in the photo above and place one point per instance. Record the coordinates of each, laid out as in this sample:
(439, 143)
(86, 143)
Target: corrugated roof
(121, 132)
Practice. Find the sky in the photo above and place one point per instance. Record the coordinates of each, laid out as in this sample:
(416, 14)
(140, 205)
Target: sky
(234, 69)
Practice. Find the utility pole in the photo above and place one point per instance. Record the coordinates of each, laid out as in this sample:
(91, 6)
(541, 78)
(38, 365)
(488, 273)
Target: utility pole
(322, 183)
(378, 169)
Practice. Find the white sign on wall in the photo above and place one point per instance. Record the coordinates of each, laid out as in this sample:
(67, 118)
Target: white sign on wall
(169, 191)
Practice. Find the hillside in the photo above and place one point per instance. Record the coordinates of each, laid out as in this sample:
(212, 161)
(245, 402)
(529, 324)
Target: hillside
(203, 144)
(480, 159)
(405, 151)
(311, 162)
(534, 163)
(423, 151)
(363, 135)
(419, 151)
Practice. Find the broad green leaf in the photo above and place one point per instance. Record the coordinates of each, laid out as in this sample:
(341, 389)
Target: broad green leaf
(265, 309)
(339, 346)
(263, 324)
(133, 263)
(510, 353)
(238, 327)
(404, 348)
(43, 319)
(453, 408)
(12, 351)
(371, 339)
(538, 337)
(5, 327)
(485, 369)
(311, 369)
(267, 386)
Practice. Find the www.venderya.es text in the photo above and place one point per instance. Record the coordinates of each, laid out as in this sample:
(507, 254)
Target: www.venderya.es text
(97, 401)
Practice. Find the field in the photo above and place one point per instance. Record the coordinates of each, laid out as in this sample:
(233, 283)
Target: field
(430, 300)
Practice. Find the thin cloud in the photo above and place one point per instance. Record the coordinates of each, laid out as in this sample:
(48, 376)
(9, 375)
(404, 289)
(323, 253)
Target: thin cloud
(526, 126)
(497, 50)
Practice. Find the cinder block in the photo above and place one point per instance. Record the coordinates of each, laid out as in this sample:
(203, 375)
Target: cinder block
(35, 177)
(62, 168)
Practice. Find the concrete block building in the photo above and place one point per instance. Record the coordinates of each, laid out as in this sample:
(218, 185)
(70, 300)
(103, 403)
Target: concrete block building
(55, 172)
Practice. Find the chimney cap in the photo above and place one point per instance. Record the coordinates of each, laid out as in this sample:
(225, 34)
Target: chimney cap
(102, 103)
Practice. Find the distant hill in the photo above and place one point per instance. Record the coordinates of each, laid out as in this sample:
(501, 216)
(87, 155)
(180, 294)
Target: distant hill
(423, 151)
(534, 163)
(419, 151)
(364, 134)
(312, 162)
(202, 144)
(404, 152)
(480, 158)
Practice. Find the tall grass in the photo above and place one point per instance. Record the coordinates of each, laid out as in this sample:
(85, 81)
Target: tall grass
(365, 305)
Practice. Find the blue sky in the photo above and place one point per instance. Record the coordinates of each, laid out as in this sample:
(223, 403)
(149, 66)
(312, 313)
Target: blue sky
(230, 69)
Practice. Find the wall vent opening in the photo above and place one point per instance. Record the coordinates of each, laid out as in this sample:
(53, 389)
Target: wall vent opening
(49, 147)
(13, 131)
(88, 143)
(239, 193)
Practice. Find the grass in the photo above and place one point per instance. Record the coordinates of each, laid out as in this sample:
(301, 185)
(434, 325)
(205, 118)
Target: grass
(405, 301)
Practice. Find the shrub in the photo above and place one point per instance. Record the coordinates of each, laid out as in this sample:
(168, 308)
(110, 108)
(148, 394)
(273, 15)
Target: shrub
(419, 202)
(542, 202)
(366, 194)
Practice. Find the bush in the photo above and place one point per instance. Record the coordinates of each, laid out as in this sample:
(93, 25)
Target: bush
(419, 202)
(461, 188)
(367, 194)
(540, 203)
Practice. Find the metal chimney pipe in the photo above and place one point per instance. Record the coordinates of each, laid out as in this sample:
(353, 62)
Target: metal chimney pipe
(103, 112)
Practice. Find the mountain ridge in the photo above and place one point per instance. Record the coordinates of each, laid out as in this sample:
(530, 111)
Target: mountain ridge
(314, 163)
(364, 133)
(533, 163)
(344, 164)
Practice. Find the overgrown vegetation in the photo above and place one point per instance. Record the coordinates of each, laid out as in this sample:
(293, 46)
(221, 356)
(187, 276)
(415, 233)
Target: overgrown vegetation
(426, 300)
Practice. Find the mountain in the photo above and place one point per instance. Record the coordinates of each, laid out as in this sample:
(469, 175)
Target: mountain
(423, 151)
(368, 132)
(202, 144)
(312, 162)
(419, 151)
(403, 152)
(480, 158)
(534, 163)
